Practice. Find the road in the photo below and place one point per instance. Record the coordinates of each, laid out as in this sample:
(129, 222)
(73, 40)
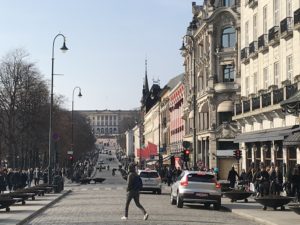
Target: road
(104, 204)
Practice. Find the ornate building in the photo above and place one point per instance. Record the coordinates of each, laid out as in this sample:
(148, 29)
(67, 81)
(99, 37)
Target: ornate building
(212, 77)
(270, 75)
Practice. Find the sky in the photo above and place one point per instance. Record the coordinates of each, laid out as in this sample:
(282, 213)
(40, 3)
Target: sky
(108, 42)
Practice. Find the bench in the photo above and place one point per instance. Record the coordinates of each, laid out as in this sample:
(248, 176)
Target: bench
(98, 180)
(85, 180)
(6, 202)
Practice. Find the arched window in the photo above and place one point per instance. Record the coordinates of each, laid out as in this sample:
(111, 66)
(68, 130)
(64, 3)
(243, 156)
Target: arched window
(228, 37)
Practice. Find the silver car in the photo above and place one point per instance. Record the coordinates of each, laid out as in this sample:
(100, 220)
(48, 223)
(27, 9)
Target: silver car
(196, 187)
(151, 180)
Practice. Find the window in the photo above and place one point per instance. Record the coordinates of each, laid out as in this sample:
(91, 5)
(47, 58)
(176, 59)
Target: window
(228, 73)
(289, 67)
(266, 77)
(247, 86)
(246, 34)
(255, 83)
(265, 20)
(276, 12)
(289, 8)
(254, 27)
(276, 73)
(228, 3)
(228, 37)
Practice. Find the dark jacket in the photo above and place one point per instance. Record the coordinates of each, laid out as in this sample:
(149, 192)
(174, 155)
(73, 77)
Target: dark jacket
(130, 181)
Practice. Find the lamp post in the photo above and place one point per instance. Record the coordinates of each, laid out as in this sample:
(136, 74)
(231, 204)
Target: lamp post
(64, 49)
(183, 48)
(72, 117)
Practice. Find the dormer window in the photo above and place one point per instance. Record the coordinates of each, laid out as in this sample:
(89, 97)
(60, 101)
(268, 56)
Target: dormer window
(228, 37)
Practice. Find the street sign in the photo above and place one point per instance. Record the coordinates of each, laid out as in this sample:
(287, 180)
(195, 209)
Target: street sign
(70, 152)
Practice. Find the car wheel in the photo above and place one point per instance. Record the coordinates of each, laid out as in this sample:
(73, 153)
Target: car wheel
(206, 205)
(159, 191)
(172, 200)
(217, 205)
(179, 202)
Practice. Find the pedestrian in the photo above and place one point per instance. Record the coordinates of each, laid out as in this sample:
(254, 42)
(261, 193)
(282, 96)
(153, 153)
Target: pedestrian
(263, 179)
(36, 176)
(133, 191)
(295, 183)
(2, 182)
(276, 180)
(232, 175)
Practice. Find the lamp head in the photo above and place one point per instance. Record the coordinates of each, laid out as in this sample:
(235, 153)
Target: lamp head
(183, 48)
(79, 95)
(64, 47)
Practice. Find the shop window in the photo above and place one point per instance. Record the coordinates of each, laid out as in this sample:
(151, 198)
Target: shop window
(228, 37)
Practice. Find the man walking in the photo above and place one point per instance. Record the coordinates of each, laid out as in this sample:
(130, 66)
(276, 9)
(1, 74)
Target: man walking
(133, 188)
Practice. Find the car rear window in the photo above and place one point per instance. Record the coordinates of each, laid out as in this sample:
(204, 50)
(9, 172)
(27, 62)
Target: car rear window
(149, 174)
(206, 178)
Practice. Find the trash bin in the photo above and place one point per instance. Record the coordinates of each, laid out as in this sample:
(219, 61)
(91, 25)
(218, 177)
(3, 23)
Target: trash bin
(58, 181)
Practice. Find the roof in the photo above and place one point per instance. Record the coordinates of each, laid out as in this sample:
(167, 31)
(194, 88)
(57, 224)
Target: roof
(175, 80)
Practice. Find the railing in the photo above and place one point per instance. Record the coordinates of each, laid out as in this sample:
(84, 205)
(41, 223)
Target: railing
(273, 35)
(291, 90)
(252, 3)
(245, 53)
(297, 19)
(246, 106)
(266, 99)
(277, 96)
(253, 48)
(263, 42)
(238, 109)
(256, 103)
(286, 26)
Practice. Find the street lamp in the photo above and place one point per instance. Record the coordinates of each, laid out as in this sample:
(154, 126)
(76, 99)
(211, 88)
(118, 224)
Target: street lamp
(183, 48)
(64, 49)
(72, 118)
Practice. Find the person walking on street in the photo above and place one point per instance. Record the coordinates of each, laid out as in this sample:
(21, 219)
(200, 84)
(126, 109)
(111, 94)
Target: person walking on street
(36, 176)
(232, 175)
(133, 191)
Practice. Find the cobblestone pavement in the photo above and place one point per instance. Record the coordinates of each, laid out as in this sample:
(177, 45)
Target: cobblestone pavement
(104, 204)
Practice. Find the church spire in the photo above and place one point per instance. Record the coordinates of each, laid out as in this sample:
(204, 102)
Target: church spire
(146, 86)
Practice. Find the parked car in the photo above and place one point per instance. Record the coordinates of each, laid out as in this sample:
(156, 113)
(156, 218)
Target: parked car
(151, 180)
(196, 187)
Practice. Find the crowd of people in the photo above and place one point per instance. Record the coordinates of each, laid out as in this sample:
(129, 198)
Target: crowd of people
(268, 180)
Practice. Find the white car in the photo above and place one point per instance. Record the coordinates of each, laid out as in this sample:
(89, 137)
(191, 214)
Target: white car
(196, 187)
(151, 180)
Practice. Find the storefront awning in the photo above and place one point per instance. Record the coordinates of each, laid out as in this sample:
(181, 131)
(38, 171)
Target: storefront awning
(292, 140)
(265, 135)
(226, 106)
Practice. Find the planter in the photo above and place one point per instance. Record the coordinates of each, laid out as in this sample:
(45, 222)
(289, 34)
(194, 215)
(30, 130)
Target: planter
(98, 180)
(225, 186)
(273, 201)
(295, 208)
(85, 181)
(6, 202)
(235, 195)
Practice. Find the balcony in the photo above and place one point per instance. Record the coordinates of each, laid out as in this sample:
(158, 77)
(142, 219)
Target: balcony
(256, 103)
(274, 35)
(291, 90)
(245, 55)
(263, 43)
(253, 49)
(277, 96)
(225, 87)
(266, 99)
(246, 106)
(286, 27)
(297, 19)
(252, 3)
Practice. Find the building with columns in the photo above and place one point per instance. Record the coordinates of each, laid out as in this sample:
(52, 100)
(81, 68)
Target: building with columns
(270, 72)
(211, 81)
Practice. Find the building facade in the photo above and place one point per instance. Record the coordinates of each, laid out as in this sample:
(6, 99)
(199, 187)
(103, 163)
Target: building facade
(270, 72)
(212, 79)
(109, 122)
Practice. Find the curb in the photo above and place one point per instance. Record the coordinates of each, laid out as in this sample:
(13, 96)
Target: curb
(30, 217)
(252, 218)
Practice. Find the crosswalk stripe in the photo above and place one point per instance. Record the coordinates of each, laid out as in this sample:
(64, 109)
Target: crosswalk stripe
(96, 189)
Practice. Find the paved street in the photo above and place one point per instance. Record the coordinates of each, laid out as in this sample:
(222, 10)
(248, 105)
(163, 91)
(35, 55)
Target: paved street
(104, 204)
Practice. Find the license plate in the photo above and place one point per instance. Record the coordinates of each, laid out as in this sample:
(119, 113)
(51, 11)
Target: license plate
(201, 194)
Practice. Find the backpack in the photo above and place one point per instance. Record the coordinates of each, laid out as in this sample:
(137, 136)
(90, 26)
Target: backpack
(137, 183)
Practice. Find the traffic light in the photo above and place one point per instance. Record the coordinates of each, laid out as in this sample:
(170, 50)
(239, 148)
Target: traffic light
(185, 155)
(237, 154)
(70, 158)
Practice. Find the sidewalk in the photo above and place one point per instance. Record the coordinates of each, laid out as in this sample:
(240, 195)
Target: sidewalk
(20, 214)
(254, 211)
